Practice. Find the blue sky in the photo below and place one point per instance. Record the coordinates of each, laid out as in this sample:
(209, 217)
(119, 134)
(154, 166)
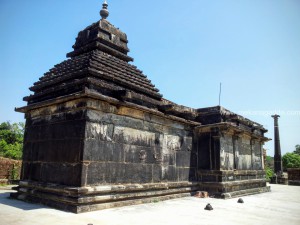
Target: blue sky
(185, 47)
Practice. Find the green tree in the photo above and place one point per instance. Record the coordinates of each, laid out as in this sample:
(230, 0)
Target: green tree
(269, 167)
(297, 149)
(291, 160)
(270, 162)
(11, 140)
(269, 173)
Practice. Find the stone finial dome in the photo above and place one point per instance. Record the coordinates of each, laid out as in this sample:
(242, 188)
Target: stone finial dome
(103, 36)
(104, 12)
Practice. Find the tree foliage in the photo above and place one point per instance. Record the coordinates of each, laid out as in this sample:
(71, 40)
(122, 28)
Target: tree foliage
(270, 162)
(297, 149)
(11, 140)
(291, 160)
(269, 173)
(269, 167)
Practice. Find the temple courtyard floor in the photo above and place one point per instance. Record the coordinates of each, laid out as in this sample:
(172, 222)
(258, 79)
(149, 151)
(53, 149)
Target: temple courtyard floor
(280, 206)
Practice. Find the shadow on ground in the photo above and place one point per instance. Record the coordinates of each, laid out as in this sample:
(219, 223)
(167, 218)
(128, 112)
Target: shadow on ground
(5, 199)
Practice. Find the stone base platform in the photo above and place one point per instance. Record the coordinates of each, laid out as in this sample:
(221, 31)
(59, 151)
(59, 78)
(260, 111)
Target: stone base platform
(85, 199)
(294, 182)
(232, 183)
(233, 189)
(246, 192)
(294, 176)
(280, 179)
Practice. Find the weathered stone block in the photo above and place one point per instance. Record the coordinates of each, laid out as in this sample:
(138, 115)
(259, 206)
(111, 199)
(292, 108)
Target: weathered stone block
(209, 178)
(170, 159)
(139, 154)
(156, 173)
(169, 173)
(186, 174)
(98, 150)
(97, 173)
(183, 159)
(102, 131)
(138, 173)
(33, 171)
(61, 173)
(132, 136)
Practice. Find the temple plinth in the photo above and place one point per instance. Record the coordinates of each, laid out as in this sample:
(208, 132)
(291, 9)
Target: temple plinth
(99, 134)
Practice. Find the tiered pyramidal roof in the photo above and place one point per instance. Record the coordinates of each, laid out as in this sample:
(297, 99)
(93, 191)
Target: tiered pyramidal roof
(99, 67)
(98, 64)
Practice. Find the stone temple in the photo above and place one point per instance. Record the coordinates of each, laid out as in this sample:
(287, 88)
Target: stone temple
(99, 135)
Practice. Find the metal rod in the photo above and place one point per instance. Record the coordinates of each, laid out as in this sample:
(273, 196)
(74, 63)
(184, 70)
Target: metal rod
(220, 92)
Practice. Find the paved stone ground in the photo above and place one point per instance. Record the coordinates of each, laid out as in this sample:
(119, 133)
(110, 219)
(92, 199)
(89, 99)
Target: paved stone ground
(281, 206)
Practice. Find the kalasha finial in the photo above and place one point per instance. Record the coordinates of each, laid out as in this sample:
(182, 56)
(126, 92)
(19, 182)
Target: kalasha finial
(275, 116)
(104, 12)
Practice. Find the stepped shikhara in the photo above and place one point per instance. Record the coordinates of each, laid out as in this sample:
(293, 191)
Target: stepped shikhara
(99, 134)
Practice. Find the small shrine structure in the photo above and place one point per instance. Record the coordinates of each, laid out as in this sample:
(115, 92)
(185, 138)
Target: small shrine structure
(99, 134)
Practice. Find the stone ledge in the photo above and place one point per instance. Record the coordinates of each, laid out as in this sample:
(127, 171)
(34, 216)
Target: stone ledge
(245, 192)
(216, 189)
(231, 172)
(23, 193)
(294, 182)
(84, 199)
(95, 207)
(58, 197)
(233, 183)
(103, 189)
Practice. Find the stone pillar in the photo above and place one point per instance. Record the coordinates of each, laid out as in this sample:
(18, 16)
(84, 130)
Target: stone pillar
(252, 143)
(277, 149)
(235, 151)
(215, 151)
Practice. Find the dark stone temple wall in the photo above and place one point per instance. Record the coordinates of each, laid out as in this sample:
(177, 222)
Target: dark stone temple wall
(103, 137)
(205, 149)
(294, 176)
(53, 146)
(230, 160)
(229, 152)
(245, 154)
(135, 147)
(226, 152)
(257, 159)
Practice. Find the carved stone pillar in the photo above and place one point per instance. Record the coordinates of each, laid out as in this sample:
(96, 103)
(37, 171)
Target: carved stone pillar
(252, 143)
(235, 139)
(215, 153)
(277, 149)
